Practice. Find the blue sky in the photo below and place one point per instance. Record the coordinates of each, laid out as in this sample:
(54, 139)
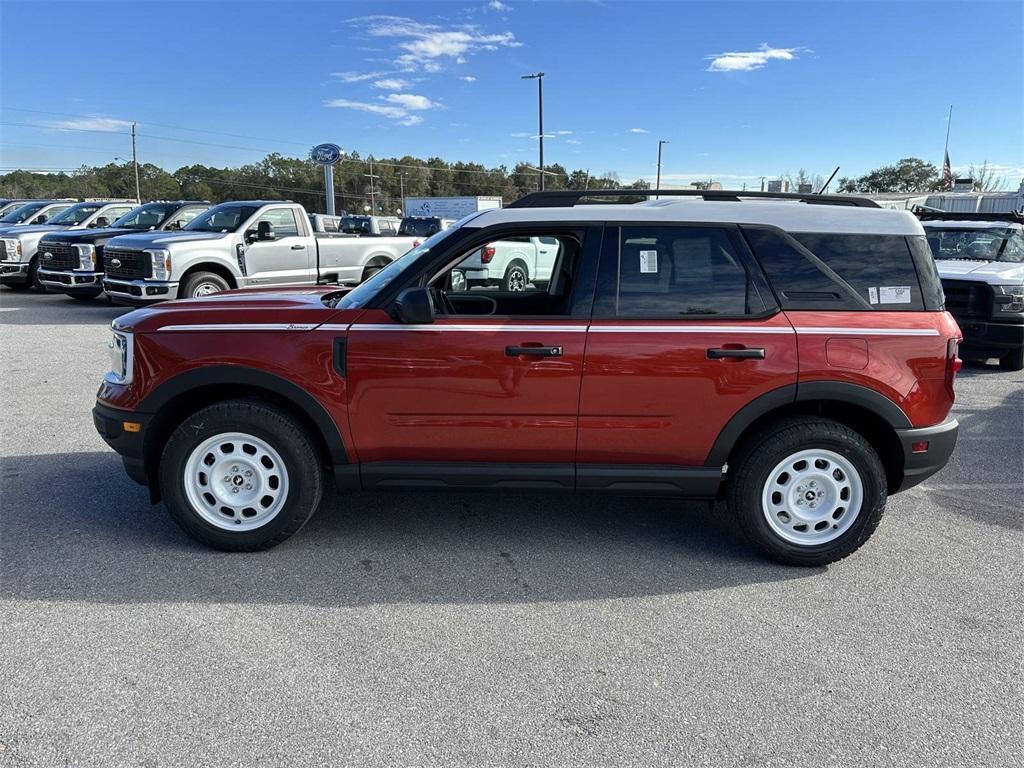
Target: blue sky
(740, 90)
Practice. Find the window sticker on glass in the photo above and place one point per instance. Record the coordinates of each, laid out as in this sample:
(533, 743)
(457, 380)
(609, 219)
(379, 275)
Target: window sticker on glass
(648, 262)
(872, 295)
(894, 294)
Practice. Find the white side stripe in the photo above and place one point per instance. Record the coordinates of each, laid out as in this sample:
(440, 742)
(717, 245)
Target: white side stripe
(241, 327)
(478, 328)
(869, 331)
(688, 329)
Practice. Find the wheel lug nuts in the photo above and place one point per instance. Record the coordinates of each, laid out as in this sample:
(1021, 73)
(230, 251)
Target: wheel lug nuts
(248, 473)
(234, 490)
(234, 469)
(227, 478)
(248, 486)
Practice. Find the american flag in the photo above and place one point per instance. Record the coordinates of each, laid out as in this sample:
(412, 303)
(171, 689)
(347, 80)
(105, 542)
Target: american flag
(947, 172)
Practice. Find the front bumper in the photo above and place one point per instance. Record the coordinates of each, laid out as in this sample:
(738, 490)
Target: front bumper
(70, 281)
(109, 422)
(13, 273)
(940, 439)
(987, 339)
(139, 292)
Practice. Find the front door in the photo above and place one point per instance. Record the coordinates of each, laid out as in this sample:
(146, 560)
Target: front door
(281, 261)
(685, 333)
(487, 394)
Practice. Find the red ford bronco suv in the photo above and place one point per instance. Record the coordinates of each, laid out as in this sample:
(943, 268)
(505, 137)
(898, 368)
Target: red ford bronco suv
(788, 353)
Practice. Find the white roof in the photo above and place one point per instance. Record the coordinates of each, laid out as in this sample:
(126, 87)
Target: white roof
(792, 216)
(967, 224)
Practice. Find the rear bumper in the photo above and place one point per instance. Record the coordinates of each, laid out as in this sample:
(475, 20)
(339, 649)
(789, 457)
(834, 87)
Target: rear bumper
(109, 422)
(987, 339)
(941, 440)
(70, 281)
(137, 293)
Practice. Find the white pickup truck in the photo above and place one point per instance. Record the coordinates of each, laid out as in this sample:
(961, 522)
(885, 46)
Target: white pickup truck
(241, 244)
(512, 264)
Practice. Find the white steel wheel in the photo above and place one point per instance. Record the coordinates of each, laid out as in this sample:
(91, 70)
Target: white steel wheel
(235, 481)
(205, 289)
(812, 497)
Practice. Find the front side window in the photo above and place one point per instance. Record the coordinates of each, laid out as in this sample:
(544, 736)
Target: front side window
(678, 271)
(281, 219)
(22, 214)
(76, 214)
(227, 217)
(516, 264)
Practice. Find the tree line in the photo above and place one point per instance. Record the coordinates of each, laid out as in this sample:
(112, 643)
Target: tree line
(359, 182)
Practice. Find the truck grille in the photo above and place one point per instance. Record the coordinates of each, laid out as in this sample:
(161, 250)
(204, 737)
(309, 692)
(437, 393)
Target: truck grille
(56, 256)
(3, 251)
(127, 264)
(967, 299)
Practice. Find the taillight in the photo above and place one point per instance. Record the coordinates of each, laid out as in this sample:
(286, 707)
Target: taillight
(415, 243)
(953, 364)
(486, 254)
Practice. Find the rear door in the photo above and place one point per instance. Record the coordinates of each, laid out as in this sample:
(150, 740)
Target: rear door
(287, 258)
(685, 333)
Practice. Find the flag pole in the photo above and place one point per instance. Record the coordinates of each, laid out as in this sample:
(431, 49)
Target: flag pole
(945, 155)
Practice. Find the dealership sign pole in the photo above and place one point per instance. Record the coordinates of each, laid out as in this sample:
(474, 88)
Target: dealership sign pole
(327, 155)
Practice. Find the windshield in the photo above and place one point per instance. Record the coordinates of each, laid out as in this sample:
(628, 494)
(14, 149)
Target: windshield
(419, 227)
(76, 214)
(393, 271)
(227, 217)
(7, 208)
(145, 216)
(980, 244)
(355, 225)
(22, 214)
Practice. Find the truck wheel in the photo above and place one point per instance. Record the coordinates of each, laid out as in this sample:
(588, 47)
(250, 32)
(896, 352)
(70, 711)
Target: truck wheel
(515, 278)
(1013, 361)
(200, 284)
(807, 491)
(33, 277)
(372, 269)
(240, 476)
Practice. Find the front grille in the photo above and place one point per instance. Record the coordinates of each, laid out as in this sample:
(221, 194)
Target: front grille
(967, 299)
(3, 251)
(127, 264)
(58, 256)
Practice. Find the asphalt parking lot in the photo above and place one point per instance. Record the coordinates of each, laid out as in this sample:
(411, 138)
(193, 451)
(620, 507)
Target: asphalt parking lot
(429, 629)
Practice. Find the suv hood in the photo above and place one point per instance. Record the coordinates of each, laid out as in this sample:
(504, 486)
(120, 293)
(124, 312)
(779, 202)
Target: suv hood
(993, 272)
(164, 238)
(31, 229)
(302, 308)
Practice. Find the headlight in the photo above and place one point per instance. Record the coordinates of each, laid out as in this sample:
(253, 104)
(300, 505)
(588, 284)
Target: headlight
(1008, 299)
(120, 347)
(86, 257)
(12, 249)
(161, 263)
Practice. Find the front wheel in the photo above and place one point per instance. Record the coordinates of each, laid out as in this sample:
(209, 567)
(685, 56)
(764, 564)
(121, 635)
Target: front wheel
(200, 284)
(807, 491)
(33, 278)
(240, 476)
(1014, 361)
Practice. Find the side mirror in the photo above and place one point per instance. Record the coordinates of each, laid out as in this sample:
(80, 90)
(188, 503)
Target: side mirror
(457, 281)
(101, 222)
(265, 231)
(250, 236)
(414, 307)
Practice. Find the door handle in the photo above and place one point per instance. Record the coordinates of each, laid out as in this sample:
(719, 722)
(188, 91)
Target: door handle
(716, 353)
(533, 351)
(298, 247)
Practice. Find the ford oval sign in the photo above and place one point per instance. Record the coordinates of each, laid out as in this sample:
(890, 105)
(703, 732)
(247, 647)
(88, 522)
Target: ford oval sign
(325, 154)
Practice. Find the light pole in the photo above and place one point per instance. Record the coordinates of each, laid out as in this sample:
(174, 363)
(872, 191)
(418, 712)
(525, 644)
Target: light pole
(539, 77)
(657, 184)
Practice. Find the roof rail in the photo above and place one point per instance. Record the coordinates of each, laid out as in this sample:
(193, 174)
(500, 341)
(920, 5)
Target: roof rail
(567, 198)
(924, 213)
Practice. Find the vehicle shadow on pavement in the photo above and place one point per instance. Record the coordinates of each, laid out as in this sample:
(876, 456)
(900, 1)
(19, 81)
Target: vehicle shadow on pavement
(31, 308)
(96, 538)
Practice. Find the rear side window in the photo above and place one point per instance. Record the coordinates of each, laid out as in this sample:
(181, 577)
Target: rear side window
(880, 269)
(673, 272)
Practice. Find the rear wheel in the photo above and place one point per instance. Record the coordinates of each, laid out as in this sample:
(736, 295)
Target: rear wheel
(807, 491)
(240, 476)
(372, 269)
(515, 279)
(200, 284)
(1014, 361)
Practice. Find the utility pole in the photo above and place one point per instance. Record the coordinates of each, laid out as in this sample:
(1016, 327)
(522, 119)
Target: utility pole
(762, 183)
(539, 77)
(135, 162)
(657, 184)
(401, 187)
(371, 177)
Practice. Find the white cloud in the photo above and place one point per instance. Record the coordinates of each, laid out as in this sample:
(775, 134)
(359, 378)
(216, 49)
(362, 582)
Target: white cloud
(420, 45)
(467, 78)
(745, 61)
(357, 77)
(93, 123)
(364, 106)
(563, 133)
(573, 141)
(411, 101)
(638, 130)
(391, 84)
(497, 5)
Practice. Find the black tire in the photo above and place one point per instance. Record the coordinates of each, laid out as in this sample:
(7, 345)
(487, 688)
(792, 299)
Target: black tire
(84, 296)
(372, 269)
(33, 278)
(202, 280)
(275, 427)
(516, 277)
(1014, 361)
(750, 470)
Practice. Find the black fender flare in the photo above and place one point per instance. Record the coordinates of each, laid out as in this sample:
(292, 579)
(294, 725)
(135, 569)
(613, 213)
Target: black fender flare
(840, 391)
(215, 375)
